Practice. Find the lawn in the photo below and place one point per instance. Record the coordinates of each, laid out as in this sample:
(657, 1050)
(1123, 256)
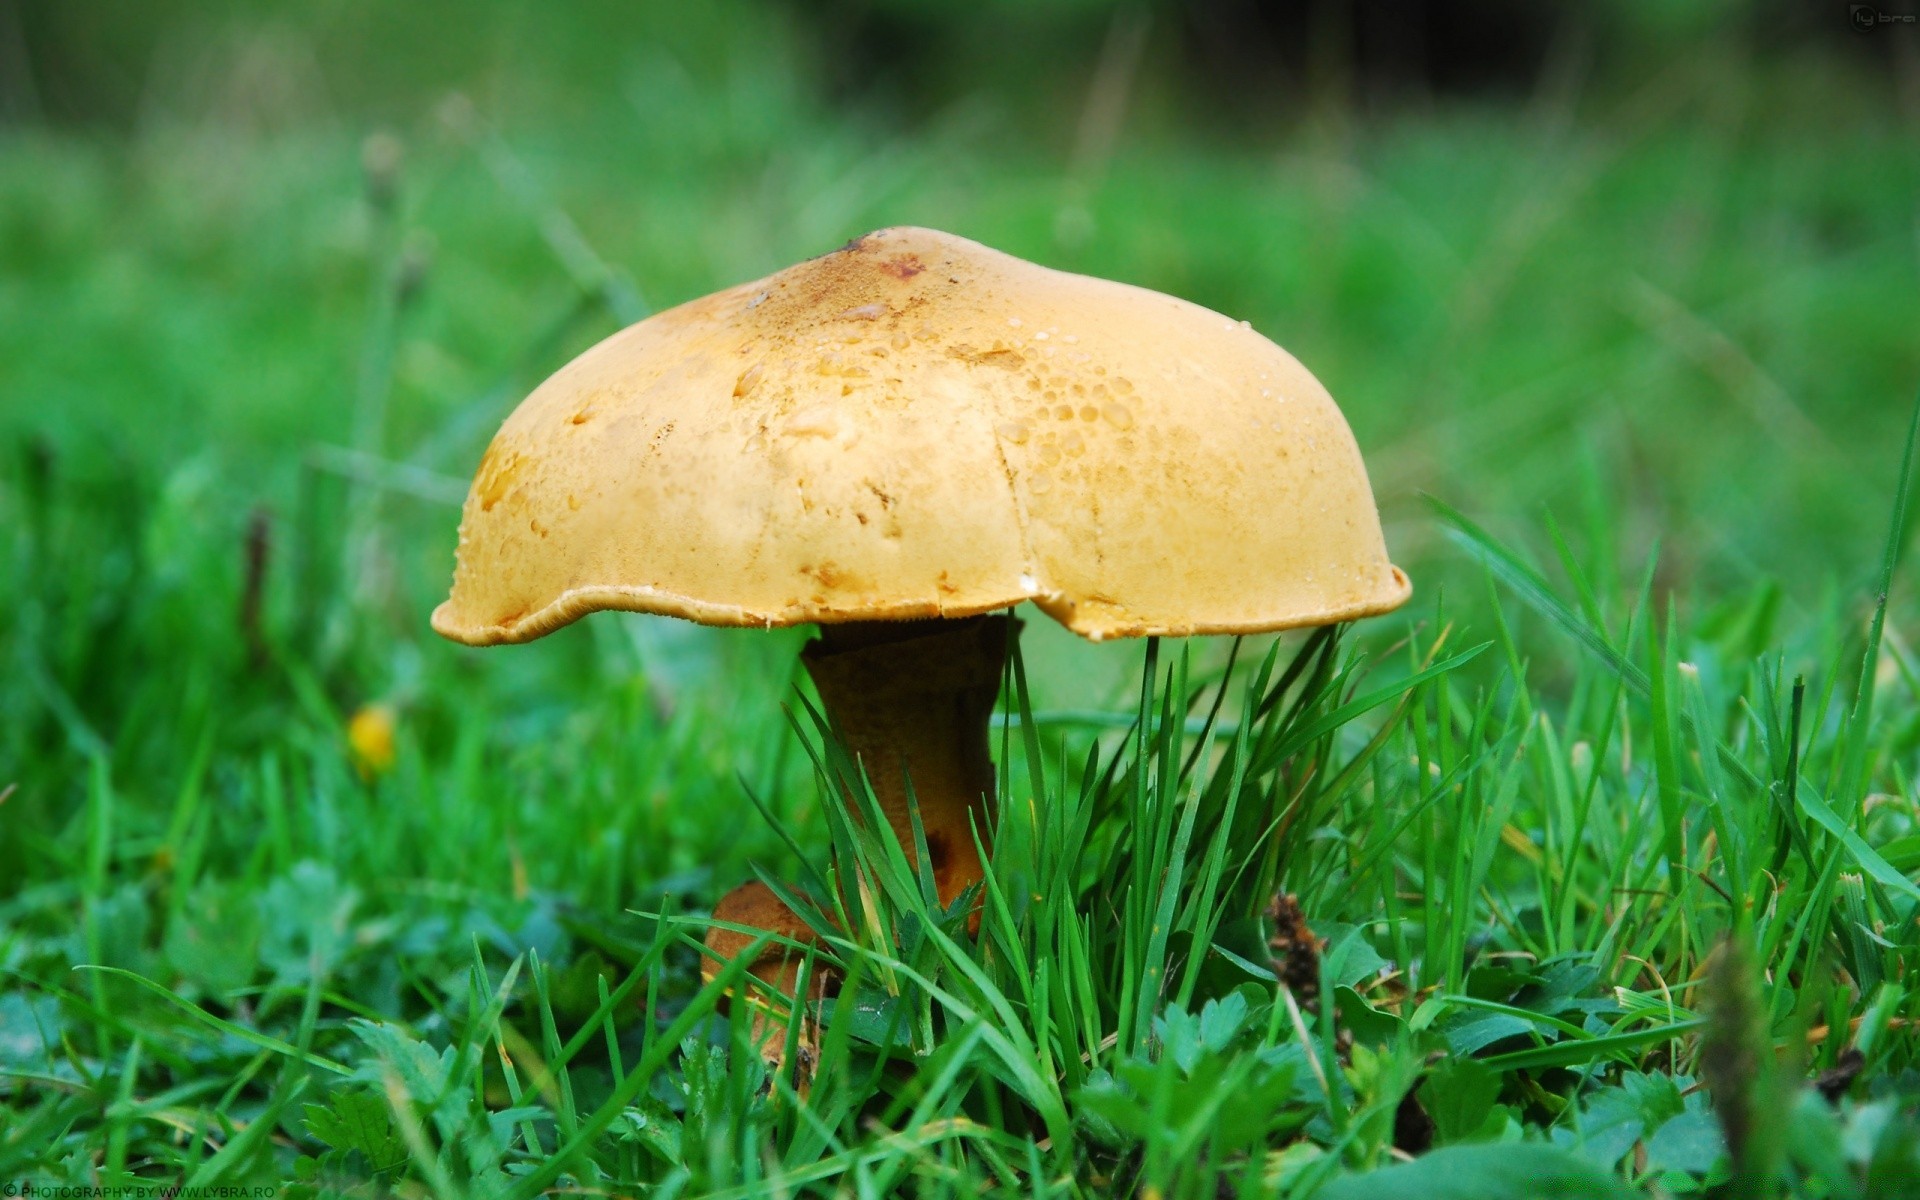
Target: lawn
(1605, 846)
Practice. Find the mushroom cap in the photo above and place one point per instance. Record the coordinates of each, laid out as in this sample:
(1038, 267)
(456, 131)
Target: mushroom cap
(918, 426)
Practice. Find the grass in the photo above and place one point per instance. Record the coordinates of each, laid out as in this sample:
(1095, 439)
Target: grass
(1608, 843)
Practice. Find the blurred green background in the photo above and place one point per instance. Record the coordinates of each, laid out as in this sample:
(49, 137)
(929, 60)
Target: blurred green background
(271, 274)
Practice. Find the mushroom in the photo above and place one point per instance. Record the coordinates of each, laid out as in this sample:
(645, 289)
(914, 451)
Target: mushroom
(777, 967)
(896, 441)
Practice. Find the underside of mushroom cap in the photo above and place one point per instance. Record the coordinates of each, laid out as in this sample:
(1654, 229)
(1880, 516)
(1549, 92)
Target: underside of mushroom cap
(917, 426)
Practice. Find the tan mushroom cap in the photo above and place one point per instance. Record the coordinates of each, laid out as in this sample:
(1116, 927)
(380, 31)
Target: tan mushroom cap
(918, 426)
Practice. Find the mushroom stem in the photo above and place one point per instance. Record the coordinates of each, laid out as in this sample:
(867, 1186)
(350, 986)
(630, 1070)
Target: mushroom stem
(906, 698)
(913, 698)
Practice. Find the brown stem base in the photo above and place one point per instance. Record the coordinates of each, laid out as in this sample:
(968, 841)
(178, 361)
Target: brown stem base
(909, 700)
(778, 967)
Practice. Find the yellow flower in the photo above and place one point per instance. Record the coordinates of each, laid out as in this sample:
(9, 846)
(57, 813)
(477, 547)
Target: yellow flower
(370, 739)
